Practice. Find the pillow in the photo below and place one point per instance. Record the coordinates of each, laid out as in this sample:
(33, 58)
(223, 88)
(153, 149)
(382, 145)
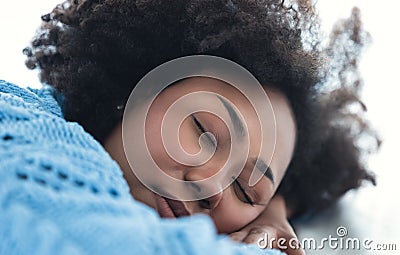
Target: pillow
(61, 193)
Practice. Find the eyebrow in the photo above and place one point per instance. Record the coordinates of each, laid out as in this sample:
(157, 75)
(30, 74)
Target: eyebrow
(237, 122)
(264, 168)
(239, 127)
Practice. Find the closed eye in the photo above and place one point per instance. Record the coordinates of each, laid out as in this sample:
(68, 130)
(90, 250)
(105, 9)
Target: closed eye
(202, 130)
(241, 193)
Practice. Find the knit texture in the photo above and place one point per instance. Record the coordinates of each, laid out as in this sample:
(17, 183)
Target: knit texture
(61, 193)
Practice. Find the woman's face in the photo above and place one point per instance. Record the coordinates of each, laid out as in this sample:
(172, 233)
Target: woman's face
(232, 207)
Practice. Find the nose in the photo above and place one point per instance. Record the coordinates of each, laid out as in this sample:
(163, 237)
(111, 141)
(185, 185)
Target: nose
(210, 188)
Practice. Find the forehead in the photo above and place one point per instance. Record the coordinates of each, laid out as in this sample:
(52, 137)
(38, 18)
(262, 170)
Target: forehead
(195, 84)
(223, 96)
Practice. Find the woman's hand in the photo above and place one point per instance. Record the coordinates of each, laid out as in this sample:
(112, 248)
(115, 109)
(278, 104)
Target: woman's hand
(270, 226)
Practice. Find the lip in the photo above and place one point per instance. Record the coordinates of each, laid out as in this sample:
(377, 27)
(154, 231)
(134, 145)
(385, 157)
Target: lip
(169, 208)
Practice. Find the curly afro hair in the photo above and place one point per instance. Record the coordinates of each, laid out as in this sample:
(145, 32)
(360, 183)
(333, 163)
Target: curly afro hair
(94, 52)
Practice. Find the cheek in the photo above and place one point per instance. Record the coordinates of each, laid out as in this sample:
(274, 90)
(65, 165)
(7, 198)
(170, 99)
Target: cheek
(154, 141)
(231, 214)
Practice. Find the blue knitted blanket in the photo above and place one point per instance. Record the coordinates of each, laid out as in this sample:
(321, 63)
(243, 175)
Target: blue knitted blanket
(61, 193)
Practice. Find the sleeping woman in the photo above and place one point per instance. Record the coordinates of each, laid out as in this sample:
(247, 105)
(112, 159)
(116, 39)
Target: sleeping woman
(94, 53)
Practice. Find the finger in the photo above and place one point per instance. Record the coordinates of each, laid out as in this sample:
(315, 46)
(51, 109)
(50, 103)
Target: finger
(291, 251)
(238, 236)
(255, 234)
(291, 246)
(294, 250)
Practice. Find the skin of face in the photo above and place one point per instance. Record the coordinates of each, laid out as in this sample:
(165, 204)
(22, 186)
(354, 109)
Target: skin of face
(228, 208)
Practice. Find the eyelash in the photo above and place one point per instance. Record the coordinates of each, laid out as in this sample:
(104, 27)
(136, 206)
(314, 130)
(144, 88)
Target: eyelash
(202, 130)
(247, 197)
